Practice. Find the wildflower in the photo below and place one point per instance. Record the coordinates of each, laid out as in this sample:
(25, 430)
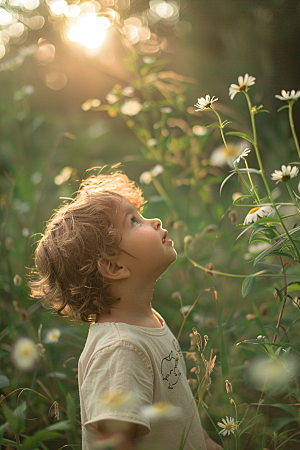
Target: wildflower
(222, 155)
(17, 280)
(244, 85)
(228, 386)
(152, 142)
(257, 213)
(199, 131)
(285, 174)
(116, 400)
(166, 109)
(286, 95)
(52, 336)
(161, 410)
(242, 155)
(24, 353)
(146, 177)
(111, 98)
(156, 170)
(205, 103)
(227, 426)
(128, 91)
(131, 107)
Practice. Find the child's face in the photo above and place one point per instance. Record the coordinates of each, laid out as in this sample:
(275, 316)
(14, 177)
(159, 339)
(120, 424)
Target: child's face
(150, 253)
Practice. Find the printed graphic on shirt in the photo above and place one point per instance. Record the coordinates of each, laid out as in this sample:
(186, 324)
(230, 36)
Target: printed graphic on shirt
(169, 369)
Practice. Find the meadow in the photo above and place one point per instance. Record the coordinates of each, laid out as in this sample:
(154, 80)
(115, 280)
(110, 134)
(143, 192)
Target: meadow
(205, 119)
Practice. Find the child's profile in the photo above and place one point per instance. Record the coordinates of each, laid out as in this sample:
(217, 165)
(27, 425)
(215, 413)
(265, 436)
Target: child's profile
(100, 258)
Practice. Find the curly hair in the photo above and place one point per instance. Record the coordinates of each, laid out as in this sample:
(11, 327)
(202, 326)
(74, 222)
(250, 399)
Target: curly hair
(76, 238)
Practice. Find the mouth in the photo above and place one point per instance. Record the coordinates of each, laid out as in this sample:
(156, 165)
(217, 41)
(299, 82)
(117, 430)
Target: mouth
(164, 240)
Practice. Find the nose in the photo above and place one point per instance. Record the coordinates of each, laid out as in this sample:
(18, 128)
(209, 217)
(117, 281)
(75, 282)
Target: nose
(156, 223)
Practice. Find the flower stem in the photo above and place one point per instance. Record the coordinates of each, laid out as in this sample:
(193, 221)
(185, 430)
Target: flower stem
(220, 126)
(252, 114)
(292, 197)
(293, 127)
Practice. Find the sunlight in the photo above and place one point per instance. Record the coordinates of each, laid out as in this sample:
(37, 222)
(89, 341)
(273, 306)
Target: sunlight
(89, 30)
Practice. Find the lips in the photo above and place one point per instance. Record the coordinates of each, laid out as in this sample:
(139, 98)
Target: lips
(164, 236)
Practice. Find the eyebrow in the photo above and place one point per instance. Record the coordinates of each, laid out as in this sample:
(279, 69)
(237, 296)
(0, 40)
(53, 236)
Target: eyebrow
(129, 211)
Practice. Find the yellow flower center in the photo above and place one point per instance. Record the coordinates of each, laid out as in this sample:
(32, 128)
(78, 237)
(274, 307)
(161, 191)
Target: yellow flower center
(285, 178)
(242, 88)
(253, 210)
(228, 426)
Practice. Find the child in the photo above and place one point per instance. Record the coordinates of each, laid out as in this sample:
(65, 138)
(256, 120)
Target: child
(99, 256)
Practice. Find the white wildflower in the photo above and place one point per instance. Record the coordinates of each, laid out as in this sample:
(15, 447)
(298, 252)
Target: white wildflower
(128, 91)
(228, 426)
(244, 85)
(52, 336)
(257, 213)
(161, 410)
(221, 155)
(285, 174)
(146, 177)
(131, 107)
(24, 353)
(111, 98)
(287, 95)
(156, 170)
(242, 155)
(205, 103)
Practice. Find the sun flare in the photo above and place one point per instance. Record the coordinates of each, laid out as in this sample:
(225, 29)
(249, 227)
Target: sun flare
(89, 30)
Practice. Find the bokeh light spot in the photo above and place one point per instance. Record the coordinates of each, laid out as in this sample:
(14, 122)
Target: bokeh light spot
(89, 30)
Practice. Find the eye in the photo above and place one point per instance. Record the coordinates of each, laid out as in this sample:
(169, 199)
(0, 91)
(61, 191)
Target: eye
(134, 222)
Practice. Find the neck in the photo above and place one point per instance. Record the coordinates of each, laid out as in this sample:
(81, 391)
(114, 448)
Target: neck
(134, 306)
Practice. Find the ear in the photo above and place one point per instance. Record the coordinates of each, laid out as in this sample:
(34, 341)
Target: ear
(111, 269)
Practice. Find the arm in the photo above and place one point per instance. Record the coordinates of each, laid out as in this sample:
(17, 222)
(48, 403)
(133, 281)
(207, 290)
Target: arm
(210, 444)
(117, 434)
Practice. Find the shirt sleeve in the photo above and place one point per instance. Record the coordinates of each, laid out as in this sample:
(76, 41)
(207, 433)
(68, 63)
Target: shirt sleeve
(117, 384)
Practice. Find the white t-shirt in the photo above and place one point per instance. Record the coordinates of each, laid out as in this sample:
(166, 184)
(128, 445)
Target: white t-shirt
(146, 363)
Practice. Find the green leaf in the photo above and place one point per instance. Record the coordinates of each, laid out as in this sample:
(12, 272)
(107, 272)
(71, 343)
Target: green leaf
(272, 267)
(293, 287)
(226, 179)
(63, 425)
(4, 381)
(267, 251)
(248, 285)
(16, 418)
(242, 135)
(2, 429)
(32, 442)
(241, 198)
(71, 408)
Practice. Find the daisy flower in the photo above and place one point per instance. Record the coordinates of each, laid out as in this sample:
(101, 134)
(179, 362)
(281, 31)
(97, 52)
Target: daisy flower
(242, 155)
(146, 177)
(131, 107)
(286, 95)
(221, 155)
(285, 174)
(52, 336)
(24, 353)
(205, 103)
(257, 213)
(244, 85)
(161, 410)
(227, 426)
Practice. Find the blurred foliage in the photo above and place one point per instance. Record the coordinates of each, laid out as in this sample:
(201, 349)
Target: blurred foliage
(52, 134)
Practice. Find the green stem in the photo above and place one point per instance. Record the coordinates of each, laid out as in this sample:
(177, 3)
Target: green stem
(220, 126)
(292, 197)
(165, 196)
(252, 114)
(293, 127)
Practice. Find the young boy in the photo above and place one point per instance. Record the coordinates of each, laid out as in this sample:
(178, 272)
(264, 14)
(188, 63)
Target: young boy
(99, 256)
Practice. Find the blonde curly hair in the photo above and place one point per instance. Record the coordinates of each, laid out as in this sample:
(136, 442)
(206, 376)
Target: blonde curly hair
(77, 237)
